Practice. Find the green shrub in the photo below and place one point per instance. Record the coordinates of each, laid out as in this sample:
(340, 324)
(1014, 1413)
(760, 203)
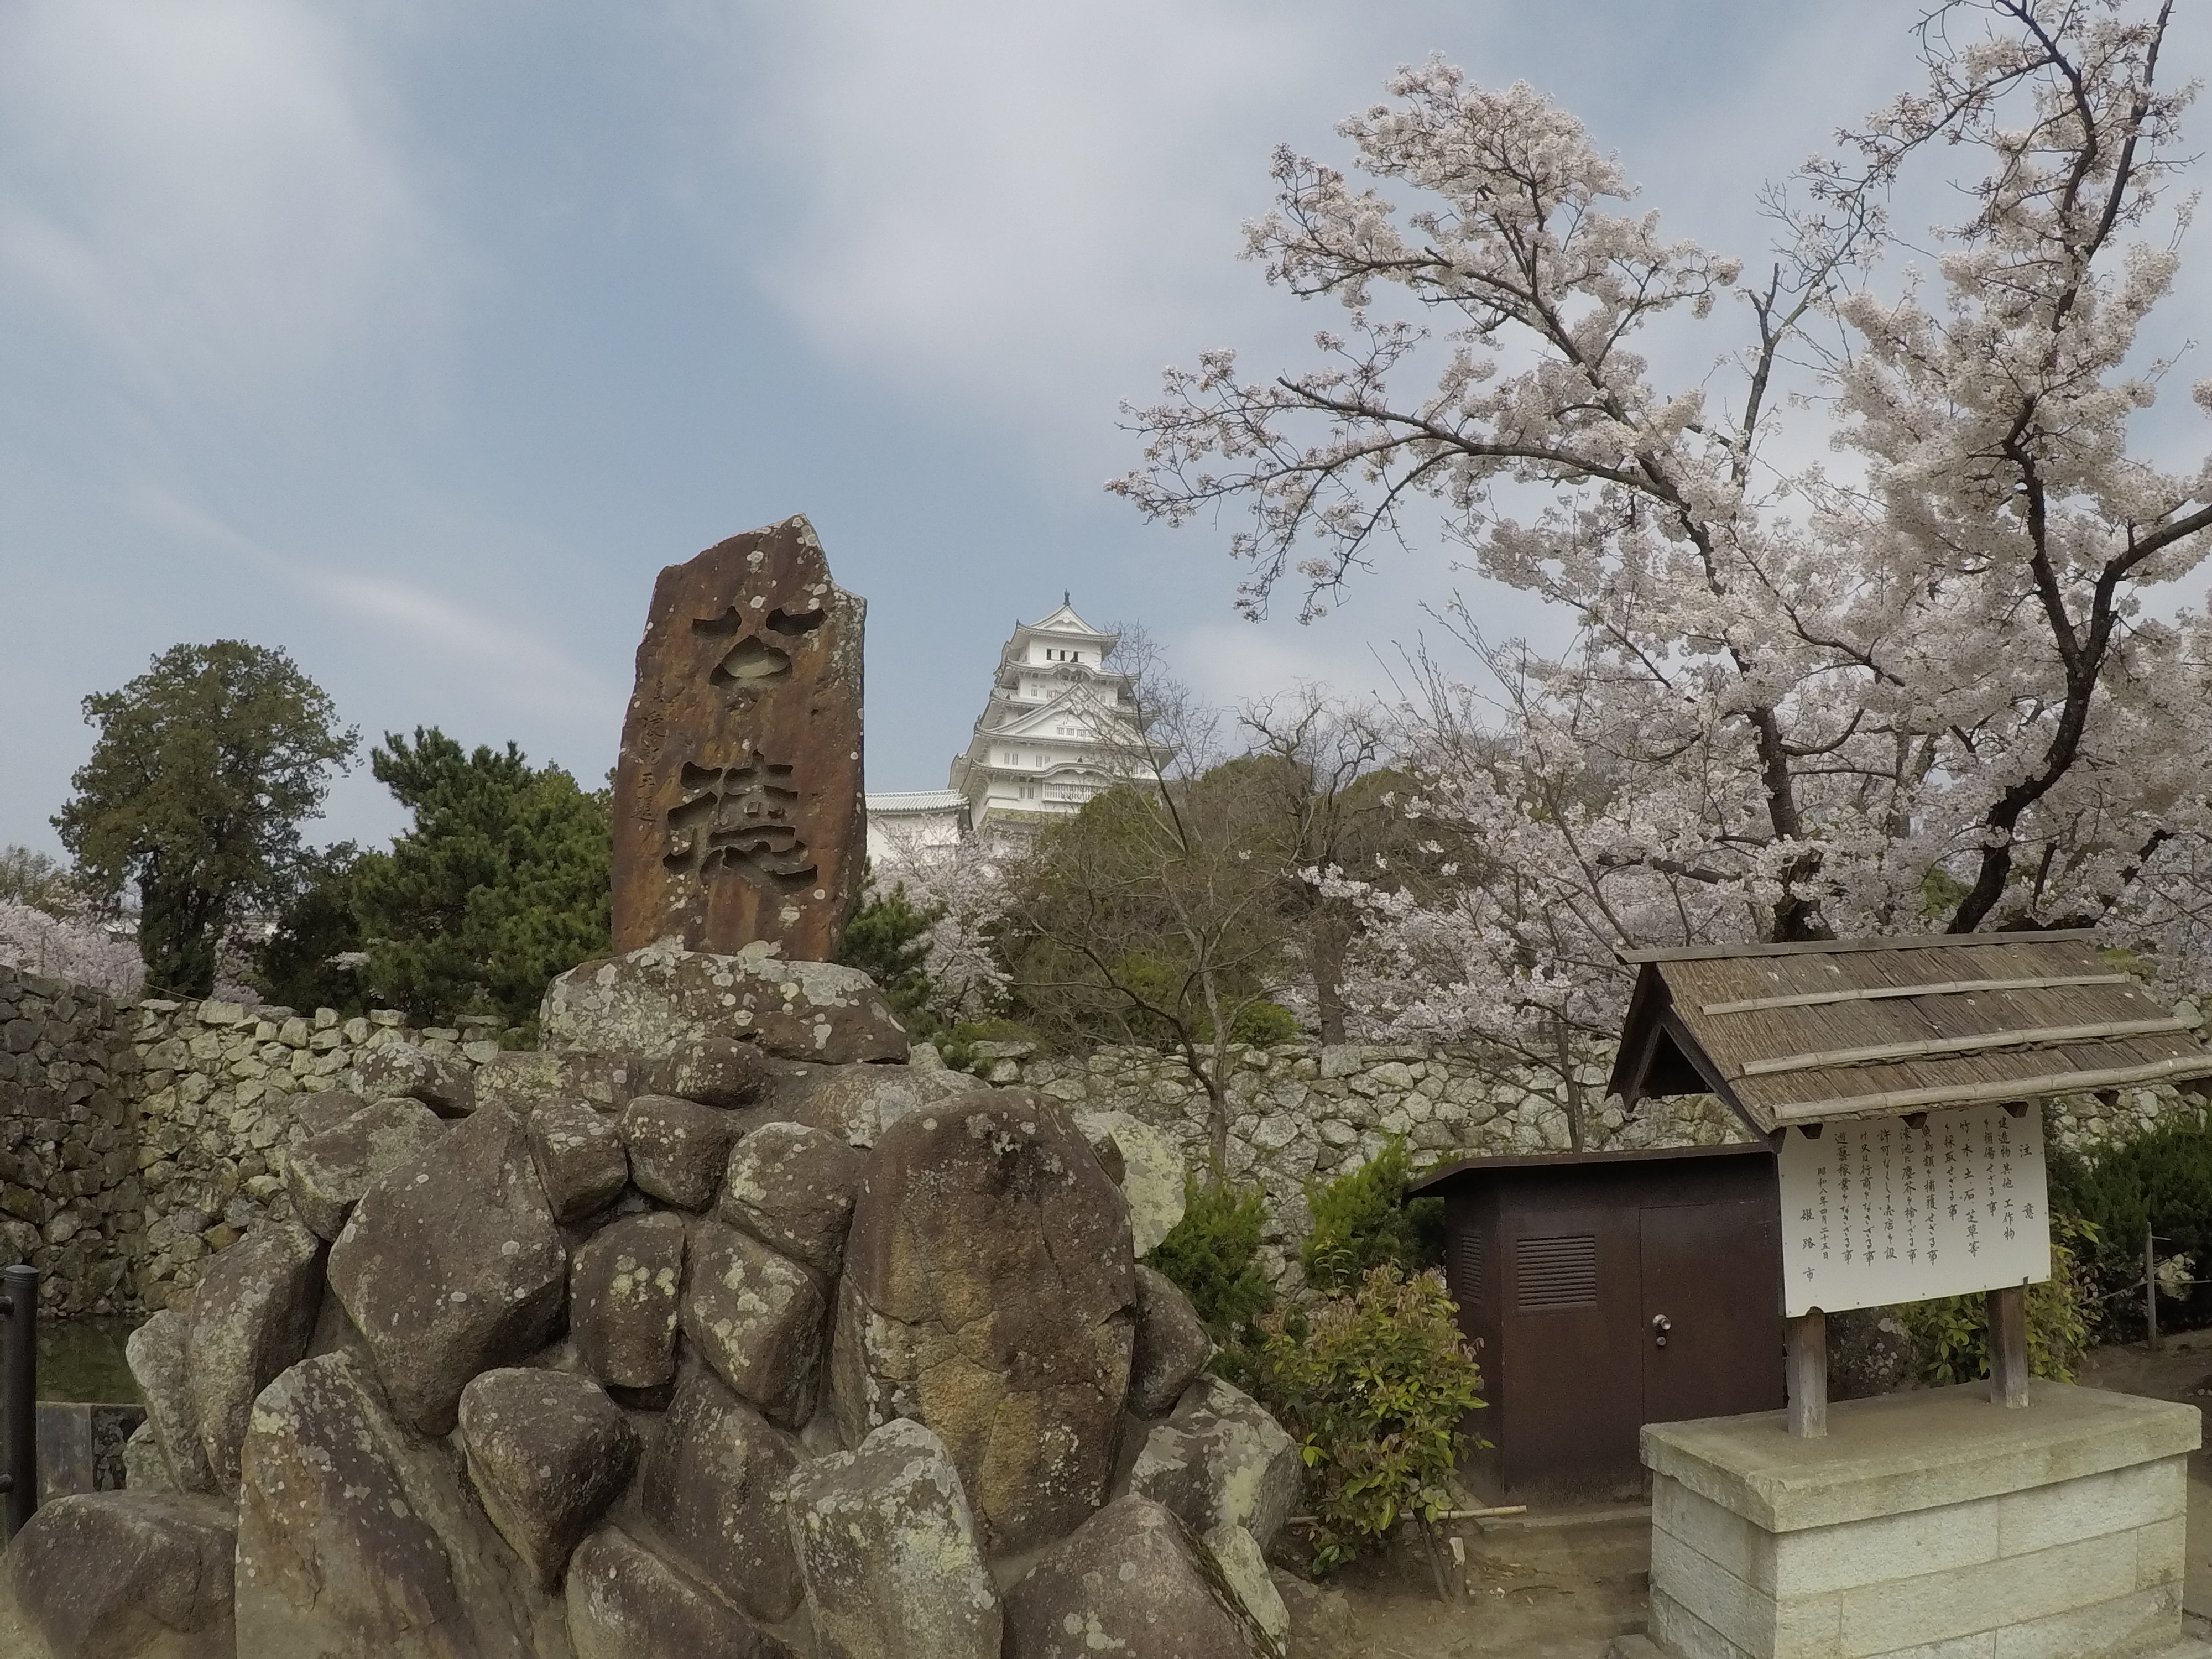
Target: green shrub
(1213, 1256)
(1375, 1386)
(1951, 1334)
(1363, 1220)
(2160, 1182)
(957, 1046)
(1264, 1024)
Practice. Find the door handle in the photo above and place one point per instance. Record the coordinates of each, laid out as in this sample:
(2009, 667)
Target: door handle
(1660, 1326)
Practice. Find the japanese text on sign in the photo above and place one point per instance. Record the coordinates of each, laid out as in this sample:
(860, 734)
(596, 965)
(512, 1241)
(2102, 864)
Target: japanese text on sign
(1883, 1212)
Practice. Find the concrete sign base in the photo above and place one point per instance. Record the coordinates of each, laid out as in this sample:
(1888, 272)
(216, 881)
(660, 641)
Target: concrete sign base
(1931, 1525)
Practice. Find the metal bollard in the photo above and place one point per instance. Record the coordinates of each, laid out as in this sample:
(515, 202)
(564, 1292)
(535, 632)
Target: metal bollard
(19, 1398)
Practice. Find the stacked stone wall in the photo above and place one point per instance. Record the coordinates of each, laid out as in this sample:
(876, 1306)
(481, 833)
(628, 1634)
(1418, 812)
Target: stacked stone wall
(214, 1082)
(137, 1140)
(1302, 1112)
(69, 1194)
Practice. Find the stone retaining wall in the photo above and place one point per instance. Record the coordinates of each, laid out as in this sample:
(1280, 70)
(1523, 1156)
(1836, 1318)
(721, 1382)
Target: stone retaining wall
(135, 1141)
(213, 1083)
(1302, 1112)
(69, 1192)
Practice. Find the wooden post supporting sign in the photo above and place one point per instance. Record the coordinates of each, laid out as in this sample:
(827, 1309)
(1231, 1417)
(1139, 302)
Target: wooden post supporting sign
(1808, 1374)
(2009, 1345)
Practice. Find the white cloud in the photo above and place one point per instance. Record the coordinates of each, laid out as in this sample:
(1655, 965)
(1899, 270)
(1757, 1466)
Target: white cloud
(507, 665)
(210, 192)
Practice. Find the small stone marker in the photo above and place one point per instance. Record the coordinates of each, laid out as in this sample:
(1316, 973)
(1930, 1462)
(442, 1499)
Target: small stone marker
(737, 802)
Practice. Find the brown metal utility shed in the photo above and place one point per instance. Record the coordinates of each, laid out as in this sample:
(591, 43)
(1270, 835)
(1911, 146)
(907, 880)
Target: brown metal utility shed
(1610, 1290)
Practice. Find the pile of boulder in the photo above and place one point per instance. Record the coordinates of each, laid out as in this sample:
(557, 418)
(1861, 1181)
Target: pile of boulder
(712, 1330)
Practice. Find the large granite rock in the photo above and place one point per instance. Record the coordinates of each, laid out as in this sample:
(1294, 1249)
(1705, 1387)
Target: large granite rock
(989, 1293)
(738, 809)
(1172, 1344)
(580, 1161)
(155, 1354)
(400, 1067)
(1146, 1166)
(888, 1549)
(624, 1296)
(625, 1602)
(145, 1464)
(660, 999)
(253, 1316)
(757, 1319)
(1323, 1624)
(714, 1483)
(326, 1173)
(117, 1575)
(1220, 1460)
(548, 1453)
(793, 1186)
(677, 1148)
(1131, 1581)
(452, 1265)
(358, 1539)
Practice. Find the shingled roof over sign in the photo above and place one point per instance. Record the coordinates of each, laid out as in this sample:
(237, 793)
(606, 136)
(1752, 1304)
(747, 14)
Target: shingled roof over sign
(1881, 1028)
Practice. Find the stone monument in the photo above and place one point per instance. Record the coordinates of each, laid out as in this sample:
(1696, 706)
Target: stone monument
(738, 804)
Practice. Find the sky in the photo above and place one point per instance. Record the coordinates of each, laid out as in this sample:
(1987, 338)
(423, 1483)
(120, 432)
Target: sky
(415, 339)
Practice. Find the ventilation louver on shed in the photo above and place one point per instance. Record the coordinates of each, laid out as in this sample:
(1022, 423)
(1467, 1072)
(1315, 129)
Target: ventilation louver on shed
(1555, 1273)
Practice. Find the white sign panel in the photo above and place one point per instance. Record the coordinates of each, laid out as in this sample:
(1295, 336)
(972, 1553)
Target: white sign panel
(1877, 1213)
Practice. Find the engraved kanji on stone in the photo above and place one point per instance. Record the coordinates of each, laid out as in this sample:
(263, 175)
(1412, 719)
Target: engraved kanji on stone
(739, 819)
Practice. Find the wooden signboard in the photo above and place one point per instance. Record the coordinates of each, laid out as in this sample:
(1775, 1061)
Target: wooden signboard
(1886, 1211)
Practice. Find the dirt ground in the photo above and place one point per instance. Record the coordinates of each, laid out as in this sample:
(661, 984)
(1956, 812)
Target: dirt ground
(1561, 1584)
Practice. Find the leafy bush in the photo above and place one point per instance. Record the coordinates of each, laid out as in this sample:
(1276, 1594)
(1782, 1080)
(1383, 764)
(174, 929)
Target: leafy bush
(2160, 1182)
(956, 1046)
(1363, 1220)
(1263, 1024)
(1375, 1385)
(1213, 1256)
(1952, 1334)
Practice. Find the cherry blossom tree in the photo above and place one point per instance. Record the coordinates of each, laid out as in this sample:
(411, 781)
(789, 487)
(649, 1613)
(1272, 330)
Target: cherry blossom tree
(1941, 682)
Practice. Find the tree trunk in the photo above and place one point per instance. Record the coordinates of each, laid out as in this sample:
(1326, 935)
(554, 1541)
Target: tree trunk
(1325, 960)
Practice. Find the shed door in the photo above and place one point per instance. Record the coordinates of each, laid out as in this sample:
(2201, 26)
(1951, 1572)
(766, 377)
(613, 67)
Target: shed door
(1709, 1273)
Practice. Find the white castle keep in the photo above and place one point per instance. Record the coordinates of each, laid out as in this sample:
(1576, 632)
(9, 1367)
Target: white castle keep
(1059, 727)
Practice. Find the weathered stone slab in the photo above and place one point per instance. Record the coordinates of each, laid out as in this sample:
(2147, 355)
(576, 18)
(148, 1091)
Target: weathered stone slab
(757, 1319)
(155, 1351)
(1147, 1166)
(989, 1293)
(793, 1186)
(714, 1484)
(888, 1548)
(327, 1172)
(520, 1079)
(451, 1265)
(579, 1155)
(625, 1602)
(357, 1540)
(715, 1071)
(255, 1311)
(624, 1294)
(105, 1574)
(1220, 1460)
(738, 805)
(661, 998)
(547, 1453)
(857, 1103)
(677, 1148)
(1172, 1344)
(85, 1447)
(1131, 1580)
(407, 1068)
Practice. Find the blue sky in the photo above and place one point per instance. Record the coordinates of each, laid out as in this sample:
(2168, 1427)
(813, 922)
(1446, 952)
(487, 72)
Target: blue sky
(415, 339)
